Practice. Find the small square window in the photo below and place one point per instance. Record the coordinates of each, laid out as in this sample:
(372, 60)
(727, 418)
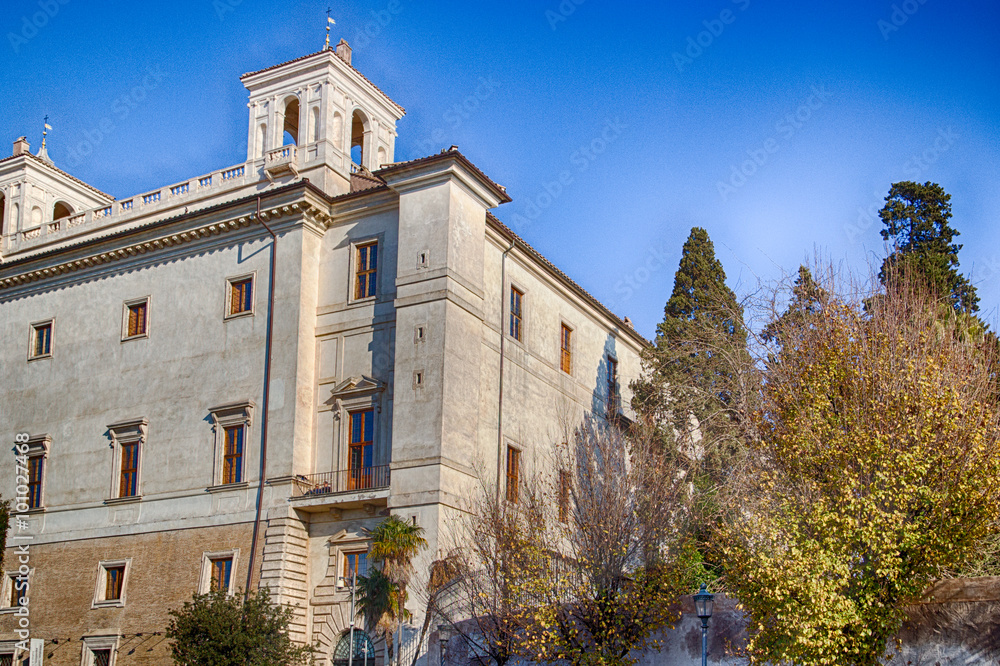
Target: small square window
(365, 270)
(41, 340)
(218, 571)
(239, 296)
(135, 322)
(111, 583)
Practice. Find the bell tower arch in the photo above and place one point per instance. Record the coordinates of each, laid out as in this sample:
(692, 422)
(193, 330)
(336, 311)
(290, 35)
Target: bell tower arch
(308, 115)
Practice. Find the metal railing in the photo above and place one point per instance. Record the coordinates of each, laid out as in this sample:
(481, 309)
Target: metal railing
(343, 481)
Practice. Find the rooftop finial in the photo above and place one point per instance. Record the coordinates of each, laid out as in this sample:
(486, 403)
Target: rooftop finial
(329, 22)
(42, 152)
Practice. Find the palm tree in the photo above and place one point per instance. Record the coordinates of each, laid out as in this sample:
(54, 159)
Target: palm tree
(382, 594)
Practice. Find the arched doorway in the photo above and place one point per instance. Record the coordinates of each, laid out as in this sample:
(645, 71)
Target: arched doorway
(364, 651)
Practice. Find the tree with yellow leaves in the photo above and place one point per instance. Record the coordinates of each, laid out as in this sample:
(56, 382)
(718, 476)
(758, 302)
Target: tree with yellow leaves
(876, 468)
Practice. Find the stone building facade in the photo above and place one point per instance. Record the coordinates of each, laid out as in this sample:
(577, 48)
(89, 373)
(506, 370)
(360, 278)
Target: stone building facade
(228, 380)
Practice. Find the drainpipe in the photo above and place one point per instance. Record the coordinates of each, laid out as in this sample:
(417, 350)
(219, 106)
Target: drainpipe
(267, 396)
(503, 337)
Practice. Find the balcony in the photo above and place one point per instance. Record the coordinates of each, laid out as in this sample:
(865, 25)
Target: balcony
(281, 162)
(366, 487)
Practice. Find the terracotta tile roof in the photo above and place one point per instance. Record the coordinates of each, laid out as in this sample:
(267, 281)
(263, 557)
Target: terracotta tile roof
(39, 160)
(523, 244)
(443, 155)
(364, 181)
(310, 55)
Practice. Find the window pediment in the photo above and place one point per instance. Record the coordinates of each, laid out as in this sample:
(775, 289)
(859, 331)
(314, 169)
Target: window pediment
(354, 387)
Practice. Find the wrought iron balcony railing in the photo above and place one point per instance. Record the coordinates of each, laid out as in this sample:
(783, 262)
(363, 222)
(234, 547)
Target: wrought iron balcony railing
(343, 481)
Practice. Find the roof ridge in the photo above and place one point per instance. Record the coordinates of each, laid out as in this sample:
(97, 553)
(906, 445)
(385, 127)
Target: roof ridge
(325, 50)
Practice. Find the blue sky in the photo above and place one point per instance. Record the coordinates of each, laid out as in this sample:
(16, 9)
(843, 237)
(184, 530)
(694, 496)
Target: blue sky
(616, 127)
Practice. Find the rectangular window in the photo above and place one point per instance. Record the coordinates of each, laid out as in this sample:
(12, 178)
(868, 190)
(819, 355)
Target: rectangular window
(36, 465)
(355, 562)
(232, 464)
(137, 319)
(102, 657)
(129, 478)
(366, 270)
(240, 296)
(114, 582)
(362, 449)
(6, 660)
(612, 385)
(15, 595)
(221, 572)
(566, 353)
(41, 340)
(513, 474)
(565, 486)
(516, 297)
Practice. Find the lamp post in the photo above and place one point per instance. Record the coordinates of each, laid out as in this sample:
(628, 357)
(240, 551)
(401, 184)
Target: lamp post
(442, 639)
(703, 607)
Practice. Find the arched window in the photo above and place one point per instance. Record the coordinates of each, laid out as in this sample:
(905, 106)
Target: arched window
(291, 125)
(359, 125)
(314, 125)
(61, 210)
(337, 132)
(364, 651)
(261, 139)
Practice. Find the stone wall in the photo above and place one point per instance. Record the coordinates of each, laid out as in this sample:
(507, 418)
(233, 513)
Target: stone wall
(164, 573)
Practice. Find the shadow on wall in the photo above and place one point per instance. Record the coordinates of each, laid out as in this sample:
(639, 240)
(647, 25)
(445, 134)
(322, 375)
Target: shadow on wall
(606, 384)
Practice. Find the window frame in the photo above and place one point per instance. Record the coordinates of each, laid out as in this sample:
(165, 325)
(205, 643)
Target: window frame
(8, 589)
(513, 453)
(614, 401)
(101, 588)
(518, 316)
(33, 329)
(127, 433)
(94, 644)
(224, 417)
(356, 247)
(364, 479)
(38, 449)
(127, 319)
(344, 574)
(207, 561)
(565, 491)
(566, 348)
(231, 283)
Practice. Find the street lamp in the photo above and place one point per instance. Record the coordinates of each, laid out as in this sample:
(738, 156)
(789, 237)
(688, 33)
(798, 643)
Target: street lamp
(703, 607)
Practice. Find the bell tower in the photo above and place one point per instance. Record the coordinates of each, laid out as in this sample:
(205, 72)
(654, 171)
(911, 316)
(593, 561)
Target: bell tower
(318, 117)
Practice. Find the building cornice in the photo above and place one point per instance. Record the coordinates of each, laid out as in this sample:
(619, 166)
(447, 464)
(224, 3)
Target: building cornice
(155, 236)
